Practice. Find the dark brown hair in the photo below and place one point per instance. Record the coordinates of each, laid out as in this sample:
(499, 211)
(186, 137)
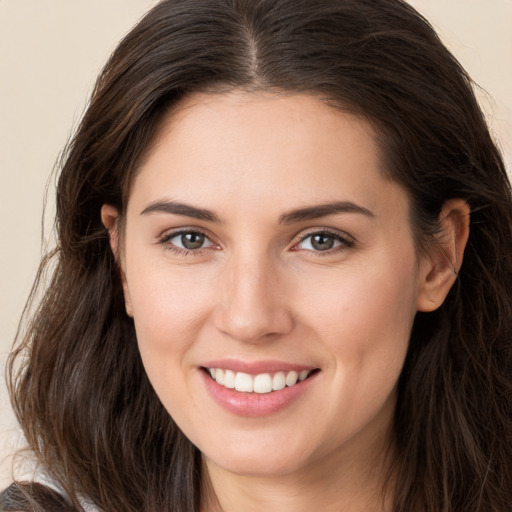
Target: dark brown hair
(77, 382)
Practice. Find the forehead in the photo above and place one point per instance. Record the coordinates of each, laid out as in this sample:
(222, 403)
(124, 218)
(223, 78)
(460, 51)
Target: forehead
(258, 146)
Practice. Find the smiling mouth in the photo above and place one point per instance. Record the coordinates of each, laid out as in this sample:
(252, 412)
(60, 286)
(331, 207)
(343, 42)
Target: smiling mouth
(262, 383)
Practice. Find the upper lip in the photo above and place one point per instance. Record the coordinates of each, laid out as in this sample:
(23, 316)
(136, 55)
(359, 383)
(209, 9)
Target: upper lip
(256, 367)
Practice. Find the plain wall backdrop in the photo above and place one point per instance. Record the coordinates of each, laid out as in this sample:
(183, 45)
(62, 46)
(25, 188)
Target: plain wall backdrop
(50, 54)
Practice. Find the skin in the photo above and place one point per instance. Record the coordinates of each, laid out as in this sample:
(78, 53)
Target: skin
(258, 289)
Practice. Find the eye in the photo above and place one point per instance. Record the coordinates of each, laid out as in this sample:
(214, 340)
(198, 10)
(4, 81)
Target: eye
(188, 240)
(323, 241)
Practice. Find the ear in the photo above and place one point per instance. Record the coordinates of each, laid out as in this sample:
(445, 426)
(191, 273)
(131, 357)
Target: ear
(110, 219)
(440, 268)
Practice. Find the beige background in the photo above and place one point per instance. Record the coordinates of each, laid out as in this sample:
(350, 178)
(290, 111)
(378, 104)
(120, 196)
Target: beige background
(50, 54)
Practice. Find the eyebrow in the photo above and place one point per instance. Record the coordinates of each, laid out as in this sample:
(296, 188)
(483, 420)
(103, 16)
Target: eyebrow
(176, 208)
(298, 215)
(322, 210)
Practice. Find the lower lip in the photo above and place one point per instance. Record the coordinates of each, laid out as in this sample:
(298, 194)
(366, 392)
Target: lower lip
(255, 404)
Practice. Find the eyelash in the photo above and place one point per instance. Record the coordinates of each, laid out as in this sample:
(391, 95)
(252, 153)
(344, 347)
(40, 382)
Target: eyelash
(345, 242)
(165, 241)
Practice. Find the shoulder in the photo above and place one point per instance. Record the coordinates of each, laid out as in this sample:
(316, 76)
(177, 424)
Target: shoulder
(35, 490)
(33, 497)
(37, 497)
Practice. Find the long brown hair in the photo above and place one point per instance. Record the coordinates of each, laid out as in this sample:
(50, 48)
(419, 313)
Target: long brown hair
(76, 378)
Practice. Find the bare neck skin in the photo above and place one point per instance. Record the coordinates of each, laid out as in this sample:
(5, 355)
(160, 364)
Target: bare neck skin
(353, 480)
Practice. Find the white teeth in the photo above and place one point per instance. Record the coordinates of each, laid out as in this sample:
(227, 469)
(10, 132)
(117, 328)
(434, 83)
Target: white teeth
(262, 383)
(219, 376)
(279, 381)
(291, 378)
(243, 382)
(303, 374)
(229, 379)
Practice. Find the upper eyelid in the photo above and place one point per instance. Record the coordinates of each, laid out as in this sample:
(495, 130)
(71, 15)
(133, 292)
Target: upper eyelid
(303, 234)
(171, 233)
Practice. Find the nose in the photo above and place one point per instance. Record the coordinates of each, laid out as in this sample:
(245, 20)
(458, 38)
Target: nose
(253, 301)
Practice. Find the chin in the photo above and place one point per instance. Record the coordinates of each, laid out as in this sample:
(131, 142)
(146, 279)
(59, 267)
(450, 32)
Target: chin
(259, 462)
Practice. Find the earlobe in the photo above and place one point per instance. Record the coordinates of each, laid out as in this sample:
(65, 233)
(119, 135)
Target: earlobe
(110, 219)
(439, 270)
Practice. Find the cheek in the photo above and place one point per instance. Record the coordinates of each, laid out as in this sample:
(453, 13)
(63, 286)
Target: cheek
(169, 308)
(364, 320)
(362, 299)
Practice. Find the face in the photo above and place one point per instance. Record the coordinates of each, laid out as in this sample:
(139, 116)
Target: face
(272, 276)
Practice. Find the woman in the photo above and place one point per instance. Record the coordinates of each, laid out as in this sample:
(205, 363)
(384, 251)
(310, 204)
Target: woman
(283, 274)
